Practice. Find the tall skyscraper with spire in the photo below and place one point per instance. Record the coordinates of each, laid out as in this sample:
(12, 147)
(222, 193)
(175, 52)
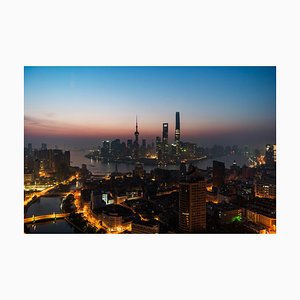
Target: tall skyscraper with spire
(136, 141)
(177, 128)
(177, 133)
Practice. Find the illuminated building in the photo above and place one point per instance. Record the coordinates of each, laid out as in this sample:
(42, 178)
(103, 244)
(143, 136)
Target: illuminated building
(165, 133)
(116, 218)
(192, 204)
(28, 178)
(265, 188)
(262, 212)
(218, 173)
(268, 221)
(165, 141)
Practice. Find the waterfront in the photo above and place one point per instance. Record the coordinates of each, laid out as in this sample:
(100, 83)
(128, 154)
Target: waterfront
(60, 226)
(97, 167)
(43, 206)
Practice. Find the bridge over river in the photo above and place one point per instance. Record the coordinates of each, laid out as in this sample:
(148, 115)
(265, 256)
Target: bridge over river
(54, 216)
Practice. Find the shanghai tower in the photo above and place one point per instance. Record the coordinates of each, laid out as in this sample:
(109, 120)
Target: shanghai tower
(177, 129)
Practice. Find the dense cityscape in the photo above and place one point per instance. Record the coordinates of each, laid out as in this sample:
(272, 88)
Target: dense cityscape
(181, 199)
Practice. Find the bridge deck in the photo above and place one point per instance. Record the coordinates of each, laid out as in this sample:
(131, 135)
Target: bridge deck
(45, 217)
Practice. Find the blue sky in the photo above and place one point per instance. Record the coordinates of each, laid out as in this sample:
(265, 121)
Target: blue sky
(226, 105)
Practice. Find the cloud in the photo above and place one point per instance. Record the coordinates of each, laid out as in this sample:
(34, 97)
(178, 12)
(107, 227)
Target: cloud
(32, 121)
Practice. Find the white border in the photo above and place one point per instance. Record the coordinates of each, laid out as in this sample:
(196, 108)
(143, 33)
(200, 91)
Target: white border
(149, 33)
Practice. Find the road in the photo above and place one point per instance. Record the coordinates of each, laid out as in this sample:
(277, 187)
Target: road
(45, 191)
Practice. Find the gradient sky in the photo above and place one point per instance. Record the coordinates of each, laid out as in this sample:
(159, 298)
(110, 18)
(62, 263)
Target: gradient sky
(217, 105)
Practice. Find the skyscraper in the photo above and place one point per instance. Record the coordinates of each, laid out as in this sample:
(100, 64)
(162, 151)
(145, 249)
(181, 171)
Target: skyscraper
(177, 128)
(165, 142)
(192, 203)
(165, 132)
(158, 147)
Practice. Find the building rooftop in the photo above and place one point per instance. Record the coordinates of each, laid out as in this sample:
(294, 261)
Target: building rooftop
(117, 210)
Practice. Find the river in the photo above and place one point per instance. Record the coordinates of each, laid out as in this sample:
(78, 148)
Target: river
(44, 206)
(97, 167)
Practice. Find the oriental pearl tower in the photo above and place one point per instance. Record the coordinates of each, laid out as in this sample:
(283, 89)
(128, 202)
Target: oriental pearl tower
(136, 141)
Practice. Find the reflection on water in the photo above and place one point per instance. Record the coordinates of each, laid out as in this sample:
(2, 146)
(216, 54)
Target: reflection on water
(60, 226)
(97, 167)
(44, 206)
(227, 160)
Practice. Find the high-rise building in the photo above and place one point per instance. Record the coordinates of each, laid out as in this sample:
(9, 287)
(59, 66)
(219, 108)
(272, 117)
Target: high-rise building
(192, 204)
(165, 133)
(265, 188)
(44, 146)
(177, 134)
(218, 173)
(67, 158)
(105, 150)
(177, 128)
(165, 142)
(158, 147)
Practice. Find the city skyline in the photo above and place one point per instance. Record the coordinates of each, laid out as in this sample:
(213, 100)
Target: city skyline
(82, 105)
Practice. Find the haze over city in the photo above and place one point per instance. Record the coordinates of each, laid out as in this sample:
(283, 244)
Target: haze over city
(78, 106)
